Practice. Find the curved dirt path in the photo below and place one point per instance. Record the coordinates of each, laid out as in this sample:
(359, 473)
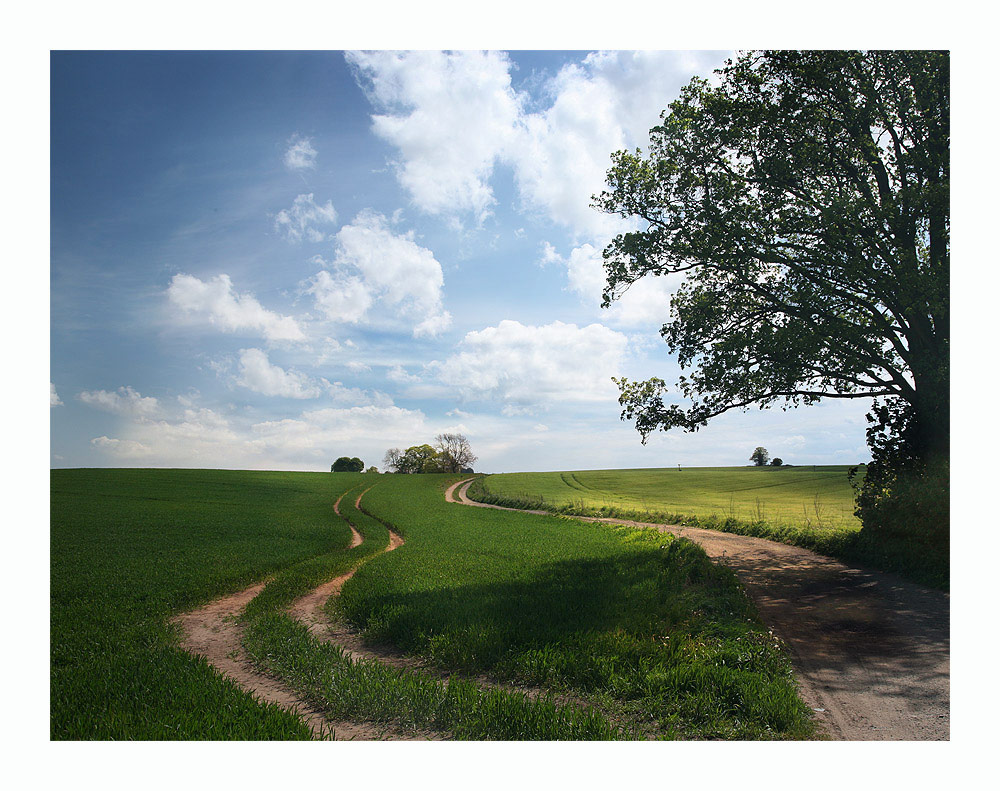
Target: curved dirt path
(309, 609)
(870, 650)
(213, 631)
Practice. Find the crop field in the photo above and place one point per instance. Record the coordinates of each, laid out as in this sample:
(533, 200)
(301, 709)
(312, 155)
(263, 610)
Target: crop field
(808, 496)
(618, 633)
(638, 621)
(131, 547)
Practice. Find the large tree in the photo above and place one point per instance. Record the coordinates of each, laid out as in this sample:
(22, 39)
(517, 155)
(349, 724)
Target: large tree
(806, 197)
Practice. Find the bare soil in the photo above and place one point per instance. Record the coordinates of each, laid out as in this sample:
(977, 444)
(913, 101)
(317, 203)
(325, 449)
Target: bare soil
(870, 650)
(213, 631)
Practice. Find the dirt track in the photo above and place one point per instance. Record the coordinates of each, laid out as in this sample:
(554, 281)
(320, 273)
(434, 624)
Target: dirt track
(213, 631)
(871, 651)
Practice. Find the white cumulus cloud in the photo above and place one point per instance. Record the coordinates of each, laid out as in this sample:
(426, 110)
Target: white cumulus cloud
(257, 373)
(304, 219)
(646, 303)
(453, 116)
(218, 303)
(604, 104)
(54, 399)
(300, 155)
(377, 268)
(124, 401)
(450, 115)
(524, 367)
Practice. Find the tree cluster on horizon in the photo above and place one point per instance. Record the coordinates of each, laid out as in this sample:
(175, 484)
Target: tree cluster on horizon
(347, 464)
(450, 453)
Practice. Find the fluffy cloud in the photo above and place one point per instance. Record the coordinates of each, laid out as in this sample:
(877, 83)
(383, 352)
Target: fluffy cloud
(398, 374)
(373, 266)
(300, 155)
(453, 116)
(606, 103)
(216, 302)
(54, 399)
(524, 367)
(257, 373)
(450, 115)
(125, 401)
(201, 437)
(301, 221)
(646, 303)
(333, 427)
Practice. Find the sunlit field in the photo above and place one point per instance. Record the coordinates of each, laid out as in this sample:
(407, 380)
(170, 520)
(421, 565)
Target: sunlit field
(623, 633)
(808, 496)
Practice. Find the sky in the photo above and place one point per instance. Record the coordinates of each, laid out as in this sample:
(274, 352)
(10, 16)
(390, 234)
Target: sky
(268, 260)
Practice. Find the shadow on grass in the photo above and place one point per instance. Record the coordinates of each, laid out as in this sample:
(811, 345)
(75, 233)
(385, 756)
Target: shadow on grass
(664, 628)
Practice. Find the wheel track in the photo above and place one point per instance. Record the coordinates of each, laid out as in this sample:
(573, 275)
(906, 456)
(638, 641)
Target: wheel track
(214, 633)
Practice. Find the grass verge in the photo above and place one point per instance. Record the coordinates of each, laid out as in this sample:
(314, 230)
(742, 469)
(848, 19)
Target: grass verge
(915, 558)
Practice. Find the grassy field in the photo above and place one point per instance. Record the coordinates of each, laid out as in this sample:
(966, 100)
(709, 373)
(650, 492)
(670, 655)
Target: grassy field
(639, 622)
(645, 635)
(815, 497)
(810, 507)
(388, 697)
(131, 547)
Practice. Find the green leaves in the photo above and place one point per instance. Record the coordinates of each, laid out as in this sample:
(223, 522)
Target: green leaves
(805, 197)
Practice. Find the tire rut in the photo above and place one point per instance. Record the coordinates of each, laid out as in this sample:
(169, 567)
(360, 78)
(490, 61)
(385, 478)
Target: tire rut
(214, 633)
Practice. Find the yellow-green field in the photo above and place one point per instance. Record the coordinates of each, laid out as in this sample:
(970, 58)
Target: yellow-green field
(808, 496)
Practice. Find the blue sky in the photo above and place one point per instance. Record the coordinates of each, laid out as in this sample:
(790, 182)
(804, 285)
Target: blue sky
(268, 260)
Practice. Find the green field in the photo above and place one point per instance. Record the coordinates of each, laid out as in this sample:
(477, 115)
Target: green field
(819, 496)
(131, 547)
(637, 631)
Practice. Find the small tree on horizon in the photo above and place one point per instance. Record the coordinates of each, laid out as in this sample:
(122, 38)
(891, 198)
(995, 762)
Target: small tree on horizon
(760, 456)
(776, 462)
(348, 464)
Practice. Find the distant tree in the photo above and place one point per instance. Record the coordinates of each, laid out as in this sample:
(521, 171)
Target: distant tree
(347, 464)
(393, 459)
(418, 458)
(776, 462)
(372, 469)
(455, 452)
(436, 463)
(760, 456)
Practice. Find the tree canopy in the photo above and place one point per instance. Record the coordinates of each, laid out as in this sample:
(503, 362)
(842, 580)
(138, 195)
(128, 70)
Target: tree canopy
(455, 452)
(806, 199)
(760, 457)
(451, 453)
(348, 464)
